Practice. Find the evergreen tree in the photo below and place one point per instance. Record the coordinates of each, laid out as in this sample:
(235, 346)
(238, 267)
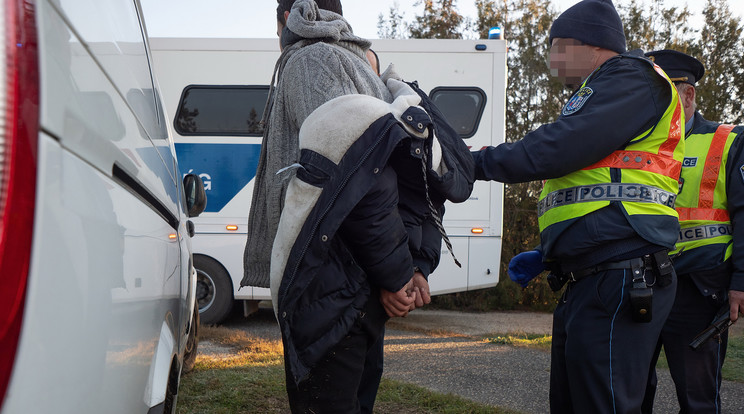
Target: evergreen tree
(649, 25)
(440, 20)
(719, 45)
(720, 48)
(394, 27)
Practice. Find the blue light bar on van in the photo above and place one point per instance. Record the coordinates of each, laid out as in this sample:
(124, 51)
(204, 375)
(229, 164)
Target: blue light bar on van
(495, 33)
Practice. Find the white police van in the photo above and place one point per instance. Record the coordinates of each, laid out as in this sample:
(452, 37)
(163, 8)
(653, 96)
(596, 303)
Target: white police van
(97, 296)
(217, 88)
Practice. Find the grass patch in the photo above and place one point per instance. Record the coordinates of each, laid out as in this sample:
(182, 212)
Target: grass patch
(251, 380)
(245, 389)
(247, 380)
(399, 397)
(522, 339)
(733, 367)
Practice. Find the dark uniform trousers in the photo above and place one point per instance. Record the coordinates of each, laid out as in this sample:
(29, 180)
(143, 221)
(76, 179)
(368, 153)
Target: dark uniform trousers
(600, 356)
(333, 385)
(696, 374)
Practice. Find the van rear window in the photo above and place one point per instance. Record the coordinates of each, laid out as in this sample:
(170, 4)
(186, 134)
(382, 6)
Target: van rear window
(221, 110)
(462, 107)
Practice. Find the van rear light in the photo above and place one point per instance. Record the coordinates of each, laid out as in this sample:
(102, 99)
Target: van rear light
(19, 133)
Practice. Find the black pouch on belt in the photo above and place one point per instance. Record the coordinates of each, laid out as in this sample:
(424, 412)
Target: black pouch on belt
(557, 280)
(664, 268)
(640, 296)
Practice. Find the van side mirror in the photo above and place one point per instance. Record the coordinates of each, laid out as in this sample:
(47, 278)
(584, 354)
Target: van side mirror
(196, 197)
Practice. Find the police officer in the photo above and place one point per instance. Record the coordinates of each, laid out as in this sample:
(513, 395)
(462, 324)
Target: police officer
(612, 161)
(709, 257)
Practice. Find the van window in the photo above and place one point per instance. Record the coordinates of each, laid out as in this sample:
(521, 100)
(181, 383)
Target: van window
(221, 110)
(462, 107)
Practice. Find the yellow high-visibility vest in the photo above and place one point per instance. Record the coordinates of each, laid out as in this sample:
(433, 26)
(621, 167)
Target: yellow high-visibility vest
(702, 204)
(649, 168)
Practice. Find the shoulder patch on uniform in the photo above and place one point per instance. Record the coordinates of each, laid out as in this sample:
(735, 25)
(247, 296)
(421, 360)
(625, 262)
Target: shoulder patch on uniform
(741, 170)
(577, 101)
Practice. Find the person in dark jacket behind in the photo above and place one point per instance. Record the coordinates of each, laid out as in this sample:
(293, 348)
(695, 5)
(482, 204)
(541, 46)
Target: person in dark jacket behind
(709, 256)
(342, 238)
(606, 213)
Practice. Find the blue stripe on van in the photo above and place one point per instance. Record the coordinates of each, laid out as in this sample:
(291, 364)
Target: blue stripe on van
(224, 168)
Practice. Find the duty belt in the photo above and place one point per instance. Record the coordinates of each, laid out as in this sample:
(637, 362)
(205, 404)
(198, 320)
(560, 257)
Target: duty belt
(639, 193)
(707, 231)
(637, 263)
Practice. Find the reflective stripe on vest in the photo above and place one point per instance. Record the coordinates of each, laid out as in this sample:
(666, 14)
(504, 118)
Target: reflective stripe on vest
(661, 163)
(708, 181)
(606, 192)
(707, 231)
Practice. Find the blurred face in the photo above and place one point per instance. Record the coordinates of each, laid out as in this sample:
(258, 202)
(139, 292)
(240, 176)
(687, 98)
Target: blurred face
(571, 61)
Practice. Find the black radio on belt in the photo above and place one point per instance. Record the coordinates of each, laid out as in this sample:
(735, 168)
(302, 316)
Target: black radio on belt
(641, 294)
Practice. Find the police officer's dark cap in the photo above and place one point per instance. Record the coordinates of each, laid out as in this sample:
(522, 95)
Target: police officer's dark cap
(593, 22)
(678, 66)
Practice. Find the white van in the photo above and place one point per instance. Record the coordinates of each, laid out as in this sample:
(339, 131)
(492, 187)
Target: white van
(97, 294)
(217, 88)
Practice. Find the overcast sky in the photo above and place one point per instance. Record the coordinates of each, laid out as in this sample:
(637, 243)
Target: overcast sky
(257, 18)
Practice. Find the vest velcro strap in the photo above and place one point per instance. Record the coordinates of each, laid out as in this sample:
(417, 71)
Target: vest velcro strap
(712, 166)
(709, 214)
(640, 160)
(707, 231)
(629, 192)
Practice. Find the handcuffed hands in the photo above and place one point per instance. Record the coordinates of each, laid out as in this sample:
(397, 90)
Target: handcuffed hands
(421, 287)
(525, 266)
(399, 303)
(414, 294)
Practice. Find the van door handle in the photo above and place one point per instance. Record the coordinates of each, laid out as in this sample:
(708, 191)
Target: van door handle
(190, 228)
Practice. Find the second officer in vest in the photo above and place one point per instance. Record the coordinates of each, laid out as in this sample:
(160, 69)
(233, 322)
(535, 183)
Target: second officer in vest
(709, 257)
(606, 214)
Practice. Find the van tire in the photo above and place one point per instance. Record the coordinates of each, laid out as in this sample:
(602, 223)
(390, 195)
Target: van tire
(213, 289)
(192, 344)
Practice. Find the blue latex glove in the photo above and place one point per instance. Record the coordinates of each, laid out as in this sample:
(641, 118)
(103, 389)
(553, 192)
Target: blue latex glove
(525, 266)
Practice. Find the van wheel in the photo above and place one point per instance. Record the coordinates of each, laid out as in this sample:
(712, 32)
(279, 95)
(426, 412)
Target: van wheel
(192, 343)
(214, 292)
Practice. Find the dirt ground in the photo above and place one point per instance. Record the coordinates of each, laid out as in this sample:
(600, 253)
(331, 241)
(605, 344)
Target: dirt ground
(442, 351)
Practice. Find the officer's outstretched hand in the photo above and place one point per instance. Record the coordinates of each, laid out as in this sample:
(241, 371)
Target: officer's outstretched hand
(525, 266)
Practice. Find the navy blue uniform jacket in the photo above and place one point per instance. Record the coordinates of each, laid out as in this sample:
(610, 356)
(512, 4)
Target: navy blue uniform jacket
(628, 99)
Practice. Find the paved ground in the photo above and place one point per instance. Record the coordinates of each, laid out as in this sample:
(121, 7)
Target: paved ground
(442, 351)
